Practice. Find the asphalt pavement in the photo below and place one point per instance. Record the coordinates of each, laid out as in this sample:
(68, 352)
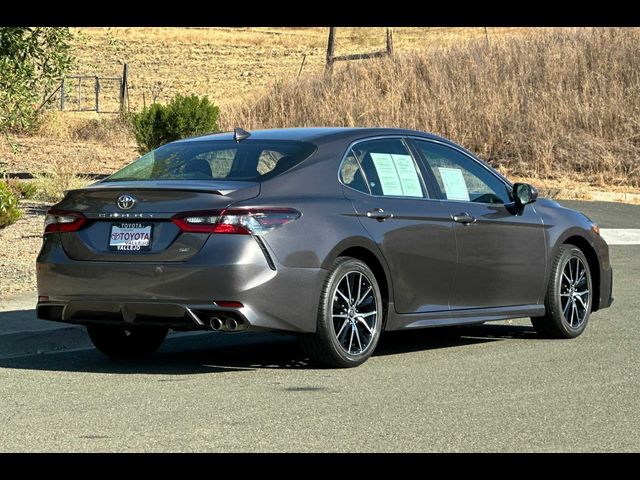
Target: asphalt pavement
(495, 387)
(607, 214)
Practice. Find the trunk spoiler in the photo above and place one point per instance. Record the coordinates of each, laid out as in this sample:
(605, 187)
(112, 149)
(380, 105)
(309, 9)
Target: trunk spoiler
(208, 186)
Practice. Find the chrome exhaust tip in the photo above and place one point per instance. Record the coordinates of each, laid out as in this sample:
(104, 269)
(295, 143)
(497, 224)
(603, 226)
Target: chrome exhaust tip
(215, 323)
(231, 324)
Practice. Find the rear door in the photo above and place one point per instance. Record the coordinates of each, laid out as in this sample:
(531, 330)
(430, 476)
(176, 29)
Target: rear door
(501, 249)
(413, 231)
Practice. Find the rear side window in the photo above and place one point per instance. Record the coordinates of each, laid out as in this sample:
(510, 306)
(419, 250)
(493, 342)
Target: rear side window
(351, 175)
(389, 168)
(249, 160)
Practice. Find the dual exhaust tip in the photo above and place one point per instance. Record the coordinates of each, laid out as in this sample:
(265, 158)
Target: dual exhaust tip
(228, 324)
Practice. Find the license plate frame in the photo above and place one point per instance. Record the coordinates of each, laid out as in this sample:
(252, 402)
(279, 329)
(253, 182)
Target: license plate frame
(133, 245)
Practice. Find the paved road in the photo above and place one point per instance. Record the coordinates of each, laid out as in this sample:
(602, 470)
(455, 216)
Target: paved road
(496, 387)
(608, 214)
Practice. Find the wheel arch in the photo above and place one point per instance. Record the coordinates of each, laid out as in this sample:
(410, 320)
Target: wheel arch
(583, 244)
(365, 250)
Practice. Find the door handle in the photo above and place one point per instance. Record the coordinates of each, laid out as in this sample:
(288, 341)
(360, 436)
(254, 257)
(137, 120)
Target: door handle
(463, 218)
(379, 214)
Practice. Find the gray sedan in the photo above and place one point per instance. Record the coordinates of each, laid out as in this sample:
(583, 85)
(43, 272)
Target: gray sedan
(337, 234)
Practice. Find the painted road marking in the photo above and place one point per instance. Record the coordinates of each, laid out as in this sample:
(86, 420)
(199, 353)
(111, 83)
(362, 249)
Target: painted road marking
(621, 236)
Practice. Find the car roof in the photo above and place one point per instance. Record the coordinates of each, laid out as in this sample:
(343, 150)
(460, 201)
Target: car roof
(315, 134)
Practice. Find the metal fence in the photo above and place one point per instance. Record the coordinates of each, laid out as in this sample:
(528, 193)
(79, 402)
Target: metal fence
(92, 93)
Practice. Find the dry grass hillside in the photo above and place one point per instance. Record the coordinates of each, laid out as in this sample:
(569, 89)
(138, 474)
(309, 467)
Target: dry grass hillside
(230, 65)
(227, 64)
(562, 104)
(534, 102)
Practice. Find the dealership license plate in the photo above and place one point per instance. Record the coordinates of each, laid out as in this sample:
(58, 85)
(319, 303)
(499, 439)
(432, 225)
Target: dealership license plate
(133, 237)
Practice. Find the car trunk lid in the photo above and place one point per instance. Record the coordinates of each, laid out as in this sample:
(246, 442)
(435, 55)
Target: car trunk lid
(117, 212)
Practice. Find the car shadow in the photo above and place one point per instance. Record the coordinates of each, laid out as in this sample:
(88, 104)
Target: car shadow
(220, 353)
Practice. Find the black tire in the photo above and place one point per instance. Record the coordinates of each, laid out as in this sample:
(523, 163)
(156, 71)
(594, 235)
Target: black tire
(324, 346)
(126, 343)
(554, 323)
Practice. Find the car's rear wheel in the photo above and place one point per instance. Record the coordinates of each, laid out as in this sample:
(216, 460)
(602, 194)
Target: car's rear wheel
(350, 316)
(126, 343)
(569, 296)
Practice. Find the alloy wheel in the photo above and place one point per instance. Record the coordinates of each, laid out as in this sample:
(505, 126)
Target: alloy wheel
(354, 315)
(575, 292)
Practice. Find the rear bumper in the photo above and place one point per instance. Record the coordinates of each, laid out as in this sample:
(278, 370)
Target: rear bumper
(159, 314)
(227, 268)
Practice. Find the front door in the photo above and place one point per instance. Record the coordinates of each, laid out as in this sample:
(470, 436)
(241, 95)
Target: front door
(501, 248)
(413, 232)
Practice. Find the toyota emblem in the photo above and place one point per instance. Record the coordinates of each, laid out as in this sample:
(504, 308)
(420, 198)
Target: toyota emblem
(125, 202)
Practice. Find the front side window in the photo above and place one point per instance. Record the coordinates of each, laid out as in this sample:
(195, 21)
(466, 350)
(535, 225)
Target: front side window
(250, 160)
(460, 177)
(389, 168)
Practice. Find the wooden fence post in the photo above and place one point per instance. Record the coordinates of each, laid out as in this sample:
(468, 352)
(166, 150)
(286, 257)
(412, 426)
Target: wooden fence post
(124, 88)
(389, 42)
(304, 59)
(330, 46)
(62, 94)
(97, 94)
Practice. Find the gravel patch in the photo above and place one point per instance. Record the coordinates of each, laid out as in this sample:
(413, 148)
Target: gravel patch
(19, 247)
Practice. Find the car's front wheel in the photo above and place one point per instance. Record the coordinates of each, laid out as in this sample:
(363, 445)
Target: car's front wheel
(126, 343)
(569, 296)
(350, 316)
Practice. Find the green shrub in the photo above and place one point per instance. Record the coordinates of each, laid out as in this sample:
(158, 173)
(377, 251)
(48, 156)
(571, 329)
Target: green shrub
(9, 210)
(27, 190)
(182, 117)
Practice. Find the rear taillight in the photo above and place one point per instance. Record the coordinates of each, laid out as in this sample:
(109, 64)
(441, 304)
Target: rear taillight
(63, 221)
(243, 221)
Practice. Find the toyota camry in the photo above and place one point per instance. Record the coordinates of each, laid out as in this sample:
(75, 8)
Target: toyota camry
(336, 234)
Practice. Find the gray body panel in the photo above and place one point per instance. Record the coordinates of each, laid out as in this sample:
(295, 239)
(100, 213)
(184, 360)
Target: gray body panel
(419, 246)
(436, 271)
(502, 252)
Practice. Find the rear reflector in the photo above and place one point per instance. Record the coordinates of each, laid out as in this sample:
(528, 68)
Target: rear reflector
(241, 221)
(228, 304)
(63, 221)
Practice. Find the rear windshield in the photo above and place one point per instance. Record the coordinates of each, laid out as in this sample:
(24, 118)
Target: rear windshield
(217, 160)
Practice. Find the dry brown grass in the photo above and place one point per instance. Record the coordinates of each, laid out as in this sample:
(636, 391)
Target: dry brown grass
(108, 130)
(228, 63)
(560, 103)
(60, 177)
(539, 103)
(80, 143)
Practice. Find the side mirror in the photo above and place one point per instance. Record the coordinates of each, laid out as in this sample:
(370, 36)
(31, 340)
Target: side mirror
(524, 194)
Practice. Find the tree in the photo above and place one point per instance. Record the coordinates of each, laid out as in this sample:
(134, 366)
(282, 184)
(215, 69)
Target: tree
(32, 60)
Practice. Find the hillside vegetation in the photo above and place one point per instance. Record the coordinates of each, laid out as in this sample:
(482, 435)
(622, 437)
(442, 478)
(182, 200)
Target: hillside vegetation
(228, 64)
(558, 107)
(562, 104)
